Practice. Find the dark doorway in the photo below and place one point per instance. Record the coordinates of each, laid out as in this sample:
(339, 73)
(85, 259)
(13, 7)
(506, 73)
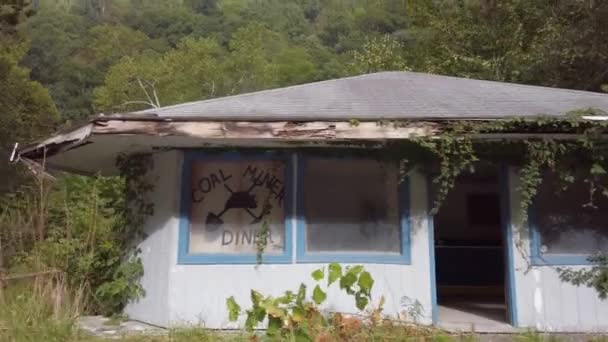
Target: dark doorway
(469, 253)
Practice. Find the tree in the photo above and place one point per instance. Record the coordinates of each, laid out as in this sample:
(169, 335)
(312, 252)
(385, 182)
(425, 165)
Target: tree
(380, 54)
(190, 72)
(12, 13)
(26, 109)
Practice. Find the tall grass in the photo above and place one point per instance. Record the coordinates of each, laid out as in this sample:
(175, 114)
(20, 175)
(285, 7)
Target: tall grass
(39, 308)
(48, 240)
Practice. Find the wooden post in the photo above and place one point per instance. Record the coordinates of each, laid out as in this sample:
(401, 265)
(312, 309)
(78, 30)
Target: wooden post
(1, 271)
(1, 254)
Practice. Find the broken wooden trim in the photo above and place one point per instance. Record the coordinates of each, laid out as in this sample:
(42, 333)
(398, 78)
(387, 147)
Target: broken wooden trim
(254, 133)
(281, 130)
(55, 144)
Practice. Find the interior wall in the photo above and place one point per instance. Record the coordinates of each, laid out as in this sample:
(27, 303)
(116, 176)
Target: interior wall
(468, 247)
(543, 301)
(196, 294)
(452, 223)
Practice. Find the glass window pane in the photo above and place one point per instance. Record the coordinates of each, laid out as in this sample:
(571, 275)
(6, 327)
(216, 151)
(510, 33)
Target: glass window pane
(566, 223)
(351, 206)
(231, 201)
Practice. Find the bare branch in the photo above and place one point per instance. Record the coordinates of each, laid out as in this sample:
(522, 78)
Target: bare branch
(145, 90)
(155, 96)
(138, 102)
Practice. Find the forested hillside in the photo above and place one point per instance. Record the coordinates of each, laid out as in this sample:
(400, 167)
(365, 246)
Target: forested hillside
(106, 55)
(63, 61)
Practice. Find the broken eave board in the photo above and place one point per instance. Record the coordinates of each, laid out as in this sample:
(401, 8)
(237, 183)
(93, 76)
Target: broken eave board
(57, 143)
(94, 147)
(311, 131)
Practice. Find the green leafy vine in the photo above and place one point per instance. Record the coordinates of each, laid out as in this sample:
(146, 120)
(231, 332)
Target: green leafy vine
(130, 230)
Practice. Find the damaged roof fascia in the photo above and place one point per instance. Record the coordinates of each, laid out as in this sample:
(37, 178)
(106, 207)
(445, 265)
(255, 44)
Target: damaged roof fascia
(55, 144)
(279, 133)
(289, 132)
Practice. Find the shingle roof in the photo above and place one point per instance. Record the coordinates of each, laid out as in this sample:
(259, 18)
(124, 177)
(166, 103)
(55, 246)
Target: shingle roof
(390, 95)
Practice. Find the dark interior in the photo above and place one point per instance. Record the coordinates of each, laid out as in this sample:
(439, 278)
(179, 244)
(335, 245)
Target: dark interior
(469, 253)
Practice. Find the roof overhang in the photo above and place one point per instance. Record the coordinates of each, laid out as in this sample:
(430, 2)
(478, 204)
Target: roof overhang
(93, 147)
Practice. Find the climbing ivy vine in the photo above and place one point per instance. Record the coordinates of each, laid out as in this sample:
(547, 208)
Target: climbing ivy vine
(130, 230)
(133, 169)
(571, 148)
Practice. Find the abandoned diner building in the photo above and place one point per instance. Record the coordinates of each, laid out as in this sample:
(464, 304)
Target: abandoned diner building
(303, 162)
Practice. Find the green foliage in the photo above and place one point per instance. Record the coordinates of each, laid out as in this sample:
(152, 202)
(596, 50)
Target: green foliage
(456, 154)
(334, 273)
(233, 309)
(134, 170)
(12, 13)
(269, 43)
(318, 296)
(38, 311)
(318, 274)
(87, 228)
(541, 154)
(291, 314)
(380, 54)
(595, 277)
(84, 236)
(26, 109)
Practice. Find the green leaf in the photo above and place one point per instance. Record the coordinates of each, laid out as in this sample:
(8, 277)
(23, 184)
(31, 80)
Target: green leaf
(597, 169)
(335, 272)
(355, 270)
(318, 295)
(287, 298)
(302, 336)
(361, 301)
(347, 281)
(251, 321)
(259, 313)
(366, 282)
(276, 312)
(274, 326)
(298, 314)
(256, 297)
(301, 294)
(233, 309)
(318, 275)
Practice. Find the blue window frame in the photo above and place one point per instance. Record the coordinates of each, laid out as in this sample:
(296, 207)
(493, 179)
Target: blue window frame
(187, 193)
(564, 213)
(538, 258)
(305, 256)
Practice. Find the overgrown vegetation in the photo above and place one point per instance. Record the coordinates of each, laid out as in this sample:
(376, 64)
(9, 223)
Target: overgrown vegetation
(299, 315)
(61, 62)
(577, 160)
(83, 228)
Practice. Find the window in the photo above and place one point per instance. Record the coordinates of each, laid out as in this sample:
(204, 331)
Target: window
(227, 202)
(349, 212)
(566, 227)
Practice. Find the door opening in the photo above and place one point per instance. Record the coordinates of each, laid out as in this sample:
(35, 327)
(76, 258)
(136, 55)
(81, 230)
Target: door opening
(469, 255)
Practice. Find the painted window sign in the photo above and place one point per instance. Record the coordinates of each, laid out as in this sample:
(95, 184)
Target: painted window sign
(232, 201)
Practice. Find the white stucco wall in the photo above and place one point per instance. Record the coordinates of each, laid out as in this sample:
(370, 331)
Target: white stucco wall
(543, 301)
(158, 248)
(196, 294)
